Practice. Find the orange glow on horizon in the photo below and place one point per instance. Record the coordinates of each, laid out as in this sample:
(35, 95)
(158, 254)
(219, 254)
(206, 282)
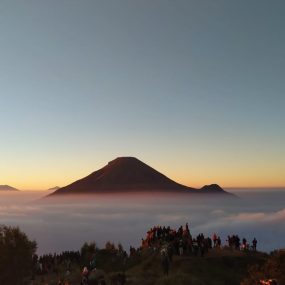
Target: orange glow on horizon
(196, 174)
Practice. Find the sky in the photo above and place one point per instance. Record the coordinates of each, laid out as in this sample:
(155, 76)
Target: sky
(195, 89)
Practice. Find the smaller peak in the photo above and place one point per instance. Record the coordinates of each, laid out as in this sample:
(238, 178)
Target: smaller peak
(212, 188)
(7, 187)
(213, 185)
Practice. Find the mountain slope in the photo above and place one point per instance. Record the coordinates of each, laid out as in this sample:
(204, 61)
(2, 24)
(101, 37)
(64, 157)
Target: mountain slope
(123, 174)
(128, 174)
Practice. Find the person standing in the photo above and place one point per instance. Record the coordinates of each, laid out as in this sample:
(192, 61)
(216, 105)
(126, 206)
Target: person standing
(165, 263)
(254, 244)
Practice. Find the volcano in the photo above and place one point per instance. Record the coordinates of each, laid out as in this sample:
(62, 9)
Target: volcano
(128, 174)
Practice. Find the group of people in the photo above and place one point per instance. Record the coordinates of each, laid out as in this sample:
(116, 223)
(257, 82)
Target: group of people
(235, 242)
(181, 242)
(48, 263)
(68, 261)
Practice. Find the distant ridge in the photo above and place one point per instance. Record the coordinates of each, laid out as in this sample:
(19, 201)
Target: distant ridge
(54, 188)
(128, 174)
(7, 188)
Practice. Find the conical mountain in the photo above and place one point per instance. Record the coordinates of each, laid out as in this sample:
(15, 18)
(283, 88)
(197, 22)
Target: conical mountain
(128, 174)
(124, 174)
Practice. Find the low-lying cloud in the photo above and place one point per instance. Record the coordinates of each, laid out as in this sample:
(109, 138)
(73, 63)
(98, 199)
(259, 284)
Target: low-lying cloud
(66, 225)
(278, 216)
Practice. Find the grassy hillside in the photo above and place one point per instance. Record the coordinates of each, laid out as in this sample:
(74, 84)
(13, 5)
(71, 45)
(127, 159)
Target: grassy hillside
(217, 267)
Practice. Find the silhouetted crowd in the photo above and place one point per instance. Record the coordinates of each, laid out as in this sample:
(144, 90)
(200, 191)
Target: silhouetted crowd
(234, 242)
(181, 242)
(48, 263)
(70, 260)
(178, 242)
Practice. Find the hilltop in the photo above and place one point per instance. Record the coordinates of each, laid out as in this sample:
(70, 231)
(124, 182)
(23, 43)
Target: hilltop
(168, 256)
(161, 261)
(129, 174)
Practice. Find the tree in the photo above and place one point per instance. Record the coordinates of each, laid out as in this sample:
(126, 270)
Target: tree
(109, 246)
(88, 251)
(16, 256)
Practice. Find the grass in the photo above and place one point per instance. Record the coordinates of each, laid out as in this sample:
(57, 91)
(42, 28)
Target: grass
(218, 267)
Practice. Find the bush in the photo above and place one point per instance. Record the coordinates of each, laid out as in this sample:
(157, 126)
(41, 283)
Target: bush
(273, 268)
(16, 256)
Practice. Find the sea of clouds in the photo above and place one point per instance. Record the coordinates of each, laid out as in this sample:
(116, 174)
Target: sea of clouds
(65, 224)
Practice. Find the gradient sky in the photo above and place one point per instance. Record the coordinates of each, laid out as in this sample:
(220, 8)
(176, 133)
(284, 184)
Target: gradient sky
(196, 89)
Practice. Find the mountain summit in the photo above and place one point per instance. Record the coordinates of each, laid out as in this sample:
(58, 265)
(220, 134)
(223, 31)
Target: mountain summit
(128, 174)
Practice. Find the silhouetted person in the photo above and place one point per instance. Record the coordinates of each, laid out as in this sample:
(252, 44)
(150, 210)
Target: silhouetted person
(181, 247)
(219, 242)
(121, 279)
(92, 264)
(215, 238)
(165, 263)
(237, 242)
(169, 252)
(254, 244)
(187, 230)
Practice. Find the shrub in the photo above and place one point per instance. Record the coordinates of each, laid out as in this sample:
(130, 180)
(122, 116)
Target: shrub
(273, 268)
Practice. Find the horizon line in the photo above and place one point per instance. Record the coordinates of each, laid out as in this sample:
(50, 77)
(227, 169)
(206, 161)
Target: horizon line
(224, 187)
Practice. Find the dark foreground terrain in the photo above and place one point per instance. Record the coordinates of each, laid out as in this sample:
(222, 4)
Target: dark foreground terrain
(218, 267)
(166, 256)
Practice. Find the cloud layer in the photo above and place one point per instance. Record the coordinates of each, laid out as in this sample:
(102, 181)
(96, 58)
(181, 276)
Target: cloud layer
(61, 225)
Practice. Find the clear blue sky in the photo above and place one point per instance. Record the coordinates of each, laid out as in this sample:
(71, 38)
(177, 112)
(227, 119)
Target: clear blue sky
(193, 88)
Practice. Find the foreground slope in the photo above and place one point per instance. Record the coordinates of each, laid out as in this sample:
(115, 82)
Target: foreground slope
(218, 267)
(128, 174)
